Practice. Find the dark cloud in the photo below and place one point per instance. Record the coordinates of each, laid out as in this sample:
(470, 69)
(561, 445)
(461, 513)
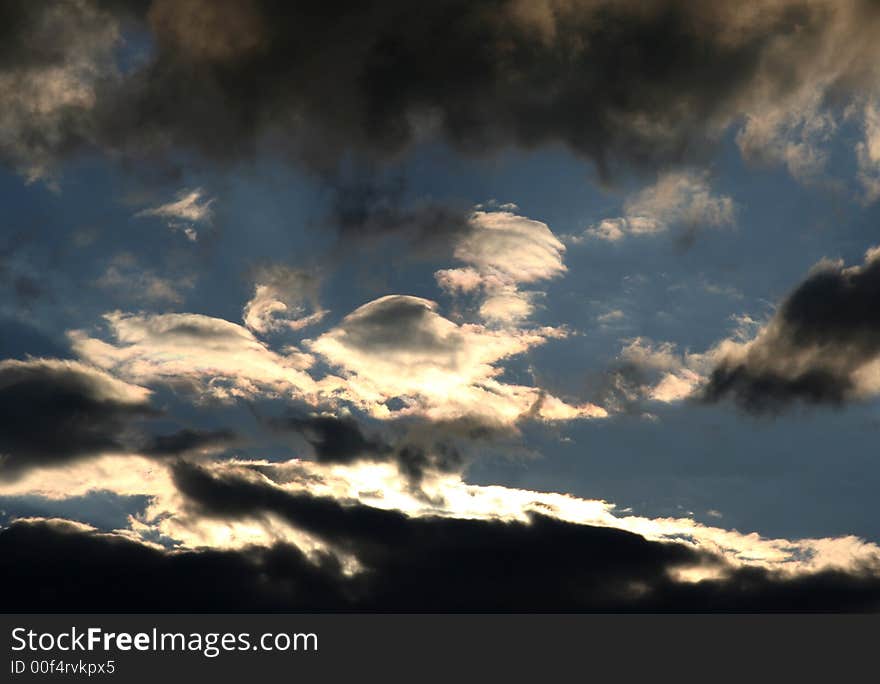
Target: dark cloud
(414, 460)
(57, 411)
(334, 440)
(22, 22)
(421, 447)
(616, 81)
(823, 335)
(620, 388)
(55, 566)
(402, 324)
(367, 212)
(546, 564)
(409, 564)
(767, 391)
(187, 441)
(52, 59)
(837, 306)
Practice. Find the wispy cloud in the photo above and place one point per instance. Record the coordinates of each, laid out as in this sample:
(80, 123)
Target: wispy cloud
(190, 208)
(503, 251)
(679, 198)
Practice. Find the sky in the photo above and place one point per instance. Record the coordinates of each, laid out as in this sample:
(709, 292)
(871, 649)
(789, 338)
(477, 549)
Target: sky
(496, 305)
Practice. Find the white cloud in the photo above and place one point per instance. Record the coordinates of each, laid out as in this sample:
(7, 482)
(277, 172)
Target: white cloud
(502, 251)
(400, 347)
(666, 374)
(611, 317)
(395, 356)
(459, 280)
(284, 298)
(190, 207)
(792, 130)
(507, 306)
(516, 248)
(397, 347)
(210, 355)
(682, 198)
(675, 386)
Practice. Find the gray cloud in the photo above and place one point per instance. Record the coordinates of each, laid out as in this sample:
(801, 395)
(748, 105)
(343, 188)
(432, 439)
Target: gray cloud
(418, 448)
(59, 411)
(56, 411)
(629, 82)
(428, 564)
(821, 347)
(364, 211)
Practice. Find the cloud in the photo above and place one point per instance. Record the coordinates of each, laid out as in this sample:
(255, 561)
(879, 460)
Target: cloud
(399, 347)
(284, 297)
(676, 386)
(53, 60)
(648, 371)
(610, 317)
(187, 442)
(190, 208)
(59, 412)
(367, 212)
(868, 153)
(423, 449)
(446, 494)
(507, 305)
(212, 356)
(56, 411)
(71, 566)
(124, 277)
(503, 250)
(334, 440)
(792, 129)
(822, 346)
(338, 509)
(680, 198)
(539, 563)
(392, 357)
(459, 280)
(511, 247)
(425, 564)
(546, 565)
(619, 82)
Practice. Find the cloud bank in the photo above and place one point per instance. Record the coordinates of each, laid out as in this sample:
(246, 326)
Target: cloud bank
(619, 82)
